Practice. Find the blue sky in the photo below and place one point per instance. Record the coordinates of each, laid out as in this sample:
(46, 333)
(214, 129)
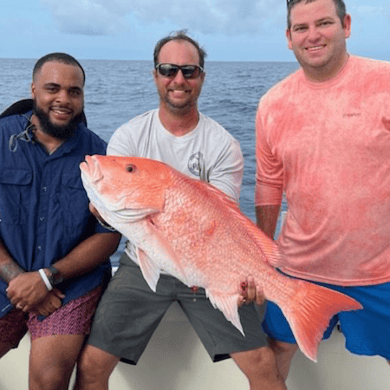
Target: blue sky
(229, 30)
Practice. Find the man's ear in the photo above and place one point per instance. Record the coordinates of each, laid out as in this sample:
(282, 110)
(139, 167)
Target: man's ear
(347, 25)
(33, 90)
(288, 36)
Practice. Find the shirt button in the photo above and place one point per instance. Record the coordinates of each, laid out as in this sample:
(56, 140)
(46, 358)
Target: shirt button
(39, 248)
(42, 219)
(44, 189)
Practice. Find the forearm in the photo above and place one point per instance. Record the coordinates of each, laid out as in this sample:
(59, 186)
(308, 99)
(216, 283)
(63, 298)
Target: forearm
(267, 218)
(9, 269)
(25, 289)
(88, 254)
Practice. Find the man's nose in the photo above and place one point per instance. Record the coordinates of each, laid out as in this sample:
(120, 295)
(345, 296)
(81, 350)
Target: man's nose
(314, 34)
(179, 78)
(63, 96)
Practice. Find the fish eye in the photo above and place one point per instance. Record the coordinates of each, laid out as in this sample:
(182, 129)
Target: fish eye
(130, 168)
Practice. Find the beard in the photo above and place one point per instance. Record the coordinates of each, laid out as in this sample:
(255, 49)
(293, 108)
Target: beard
(181, 108)
(62, 133)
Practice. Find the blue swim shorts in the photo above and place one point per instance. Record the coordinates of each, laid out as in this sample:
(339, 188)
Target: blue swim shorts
(366, 331)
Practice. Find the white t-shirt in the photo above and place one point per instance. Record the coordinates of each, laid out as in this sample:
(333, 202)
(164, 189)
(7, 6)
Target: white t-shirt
(209, 152)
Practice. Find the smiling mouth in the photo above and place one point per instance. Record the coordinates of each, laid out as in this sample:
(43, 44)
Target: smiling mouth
(61, 111)
(179, 92)
(315, 48)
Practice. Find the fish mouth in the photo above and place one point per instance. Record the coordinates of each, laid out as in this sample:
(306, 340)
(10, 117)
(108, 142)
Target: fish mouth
(90, 168)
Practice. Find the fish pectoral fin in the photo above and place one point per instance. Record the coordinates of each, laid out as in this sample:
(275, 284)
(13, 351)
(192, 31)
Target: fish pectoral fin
(169, 261)
(228, 304)
(149, 270)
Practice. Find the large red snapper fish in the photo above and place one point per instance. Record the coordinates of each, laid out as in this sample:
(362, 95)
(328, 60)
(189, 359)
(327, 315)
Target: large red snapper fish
(193, 231)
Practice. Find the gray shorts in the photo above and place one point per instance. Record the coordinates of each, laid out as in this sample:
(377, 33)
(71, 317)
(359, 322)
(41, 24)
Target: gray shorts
(129, 312)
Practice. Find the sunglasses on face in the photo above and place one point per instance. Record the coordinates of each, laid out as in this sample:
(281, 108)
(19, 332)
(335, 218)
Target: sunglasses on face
(171, 70)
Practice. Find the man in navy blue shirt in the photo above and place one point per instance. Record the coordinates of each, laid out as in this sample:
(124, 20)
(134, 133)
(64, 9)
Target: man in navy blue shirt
(54, 257)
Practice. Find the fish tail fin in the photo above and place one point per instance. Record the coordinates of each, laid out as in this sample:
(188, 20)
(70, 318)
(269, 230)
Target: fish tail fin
(309, 312)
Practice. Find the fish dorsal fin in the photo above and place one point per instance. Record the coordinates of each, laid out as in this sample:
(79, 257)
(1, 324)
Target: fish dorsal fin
(213, 191)
(150, 271)
(267, 246)
(228, 304)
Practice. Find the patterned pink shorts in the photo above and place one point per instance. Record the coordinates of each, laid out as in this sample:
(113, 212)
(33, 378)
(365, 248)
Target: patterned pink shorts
(73, 318)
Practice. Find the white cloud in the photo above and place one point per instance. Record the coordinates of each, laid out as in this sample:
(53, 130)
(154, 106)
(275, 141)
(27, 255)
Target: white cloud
(85, 17)
(108, 17)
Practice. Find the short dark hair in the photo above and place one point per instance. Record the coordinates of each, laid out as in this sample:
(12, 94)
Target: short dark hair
(179, 36)
(57, 57)
(340, 9)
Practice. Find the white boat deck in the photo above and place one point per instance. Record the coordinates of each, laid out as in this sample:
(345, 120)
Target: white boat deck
(176, 360)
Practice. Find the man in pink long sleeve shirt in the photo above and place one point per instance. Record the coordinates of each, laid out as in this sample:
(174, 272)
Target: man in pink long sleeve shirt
(323, 139)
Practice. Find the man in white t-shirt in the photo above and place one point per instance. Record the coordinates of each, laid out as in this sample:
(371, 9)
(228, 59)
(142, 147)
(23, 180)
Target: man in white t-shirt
(129, 312)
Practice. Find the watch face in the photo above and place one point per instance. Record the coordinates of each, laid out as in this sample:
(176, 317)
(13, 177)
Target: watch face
(55, 276)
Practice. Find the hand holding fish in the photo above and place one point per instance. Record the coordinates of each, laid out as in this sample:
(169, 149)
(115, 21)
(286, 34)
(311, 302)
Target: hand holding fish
(249, 293)
(93, 211)
(99, 218)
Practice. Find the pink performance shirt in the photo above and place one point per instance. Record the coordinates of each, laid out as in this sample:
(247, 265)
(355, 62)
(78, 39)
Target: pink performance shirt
(327, 146)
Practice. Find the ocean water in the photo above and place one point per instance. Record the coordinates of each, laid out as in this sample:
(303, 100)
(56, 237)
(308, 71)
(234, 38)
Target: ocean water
(116, 91)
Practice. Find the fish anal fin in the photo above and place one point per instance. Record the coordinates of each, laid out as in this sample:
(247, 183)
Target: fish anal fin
(310, 311)
(228, 304)
(149, 270)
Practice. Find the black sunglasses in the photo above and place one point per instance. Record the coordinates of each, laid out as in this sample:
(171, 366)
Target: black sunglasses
(171, 70)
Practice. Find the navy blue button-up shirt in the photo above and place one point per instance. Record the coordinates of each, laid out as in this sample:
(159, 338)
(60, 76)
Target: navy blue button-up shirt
(43, 206)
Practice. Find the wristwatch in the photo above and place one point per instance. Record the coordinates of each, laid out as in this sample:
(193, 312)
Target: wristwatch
(54, 276)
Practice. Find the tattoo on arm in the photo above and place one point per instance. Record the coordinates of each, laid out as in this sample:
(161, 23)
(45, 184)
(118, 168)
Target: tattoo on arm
(9, 271)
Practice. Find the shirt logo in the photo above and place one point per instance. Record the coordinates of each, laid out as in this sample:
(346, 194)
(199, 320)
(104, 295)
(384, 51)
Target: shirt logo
(195, 164)
(352, 115)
